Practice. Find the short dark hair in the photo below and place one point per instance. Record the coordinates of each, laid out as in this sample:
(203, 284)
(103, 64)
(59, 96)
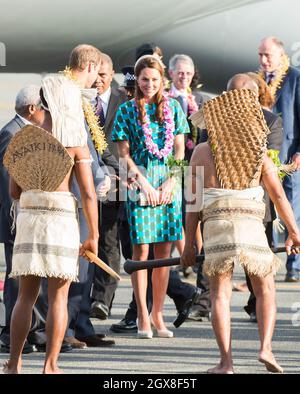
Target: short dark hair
(148, 48)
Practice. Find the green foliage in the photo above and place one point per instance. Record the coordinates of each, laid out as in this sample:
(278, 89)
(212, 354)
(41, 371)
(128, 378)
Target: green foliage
(274, 156)
(176, 166)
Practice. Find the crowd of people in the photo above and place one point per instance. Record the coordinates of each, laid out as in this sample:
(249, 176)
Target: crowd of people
(129, 145)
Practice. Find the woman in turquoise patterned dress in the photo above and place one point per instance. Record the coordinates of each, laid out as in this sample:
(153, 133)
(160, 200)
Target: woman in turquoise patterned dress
(148, 129)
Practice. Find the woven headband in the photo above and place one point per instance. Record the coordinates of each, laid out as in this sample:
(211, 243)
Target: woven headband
(151, 57)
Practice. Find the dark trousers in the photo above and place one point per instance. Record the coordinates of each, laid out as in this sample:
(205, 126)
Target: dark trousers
(104, 285)
(124, 231)
(79, 301)
(203, 303)
(10, 294)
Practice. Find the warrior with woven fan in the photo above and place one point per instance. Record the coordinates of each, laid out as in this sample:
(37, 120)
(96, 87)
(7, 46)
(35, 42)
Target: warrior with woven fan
(41, 163)
(235, 163)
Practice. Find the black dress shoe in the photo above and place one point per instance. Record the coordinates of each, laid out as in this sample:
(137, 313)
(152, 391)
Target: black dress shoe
(124, 326)
(95, 341)
(99, 310)
(292, 276)
(28, 348)
(65, 347)
(184, 312)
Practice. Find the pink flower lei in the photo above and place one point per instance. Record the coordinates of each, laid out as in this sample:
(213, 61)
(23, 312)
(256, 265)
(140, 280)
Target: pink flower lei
(151, 146)
(191, 102)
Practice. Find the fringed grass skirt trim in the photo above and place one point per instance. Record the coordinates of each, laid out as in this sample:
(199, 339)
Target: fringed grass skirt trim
(250, 262)
(47, 236)
(234, 234)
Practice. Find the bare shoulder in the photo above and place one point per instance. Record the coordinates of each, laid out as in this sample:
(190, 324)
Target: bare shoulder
(201, 154)
(267, 162)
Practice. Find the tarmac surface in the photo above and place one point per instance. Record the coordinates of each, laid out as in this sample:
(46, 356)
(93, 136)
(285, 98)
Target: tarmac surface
(193, 349)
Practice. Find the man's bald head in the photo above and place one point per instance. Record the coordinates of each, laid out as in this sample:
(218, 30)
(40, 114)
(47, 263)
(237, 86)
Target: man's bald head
(272, 41)
(242, 81)
(270, 54)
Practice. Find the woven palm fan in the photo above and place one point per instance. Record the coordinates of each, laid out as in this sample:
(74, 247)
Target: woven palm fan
(37, 160)
(237, 133)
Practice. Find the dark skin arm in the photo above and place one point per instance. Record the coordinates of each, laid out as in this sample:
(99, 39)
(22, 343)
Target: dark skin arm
(274, 188)
(14, 189)
(188, 257)
(85, 181)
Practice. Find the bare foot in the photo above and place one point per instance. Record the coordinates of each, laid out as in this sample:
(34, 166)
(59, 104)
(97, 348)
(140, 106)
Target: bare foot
(240, 287)
(271, 364)
(219, 369)
(8, 369)
(55, 371)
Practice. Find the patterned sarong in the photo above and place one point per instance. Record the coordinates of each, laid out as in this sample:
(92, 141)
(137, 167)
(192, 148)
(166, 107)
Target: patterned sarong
(47, 236)
(234, 232)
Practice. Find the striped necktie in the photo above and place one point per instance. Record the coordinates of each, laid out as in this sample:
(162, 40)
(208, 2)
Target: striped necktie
(183, 102)
(100, 111)
(270, 78)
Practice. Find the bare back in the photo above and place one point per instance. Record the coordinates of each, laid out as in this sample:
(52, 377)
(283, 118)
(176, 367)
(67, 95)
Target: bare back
(202, 157)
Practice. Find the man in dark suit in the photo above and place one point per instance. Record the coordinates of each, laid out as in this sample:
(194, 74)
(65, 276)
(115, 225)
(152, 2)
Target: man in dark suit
(28, 111)
(284, 80)
(107, 102)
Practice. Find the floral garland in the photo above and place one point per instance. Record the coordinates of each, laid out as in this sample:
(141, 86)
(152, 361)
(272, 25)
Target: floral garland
(177, 167)
(192, 105)
(151, 146)
(192, 108)
(97, 134)
(280, 74)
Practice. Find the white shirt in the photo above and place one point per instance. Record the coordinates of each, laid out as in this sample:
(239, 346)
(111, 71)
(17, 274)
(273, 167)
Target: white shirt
(175, 92)
(24, 120)
(269, 75)
(105, 97)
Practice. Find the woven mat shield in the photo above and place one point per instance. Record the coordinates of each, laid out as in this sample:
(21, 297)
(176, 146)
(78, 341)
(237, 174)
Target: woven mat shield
(237, 134)
(37, 160)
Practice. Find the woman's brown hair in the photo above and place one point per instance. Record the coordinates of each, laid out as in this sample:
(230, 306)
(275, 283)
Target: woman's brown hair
(149, 62)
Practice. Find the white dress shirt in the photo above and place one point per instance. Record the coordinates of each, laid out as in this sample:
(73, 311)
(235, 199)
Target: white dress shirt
(24, 120)
(183, 97)
(105, 97)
